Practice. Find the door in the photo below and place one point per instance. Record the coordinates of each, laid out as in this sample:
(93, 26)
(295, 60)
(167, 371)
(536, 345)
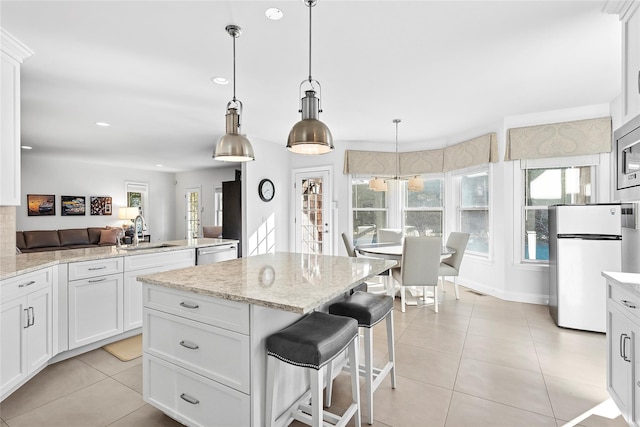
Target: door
(313, 217)
(40, 332)
(192, 209)
(619, 365)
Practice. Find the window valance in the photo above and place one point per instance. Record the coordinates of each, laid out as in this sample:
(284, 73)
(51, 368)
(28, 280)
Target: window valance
(477, 151)
(574, 138)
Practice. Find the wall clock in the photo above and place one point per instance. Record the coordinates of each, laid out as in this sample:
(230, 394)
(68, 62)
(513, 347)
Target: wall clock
(266, 190)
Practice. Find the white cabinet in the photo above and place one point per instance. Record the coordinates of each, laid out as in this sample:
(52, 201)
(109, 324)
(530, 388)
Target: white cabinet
(13, 53)
(96, 300)
(196, 361)
(139, 265)
(26, 333)
(631, 62)
(623, 356)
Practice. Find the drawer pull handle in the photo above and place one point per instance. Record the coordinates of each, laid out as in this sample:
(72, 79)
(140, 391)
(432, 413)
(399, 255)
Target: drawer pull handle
(97, 268)
(188, 345)
(29, 283)
(628, 303)
(98, 280)
(189, 305)
(189, 399)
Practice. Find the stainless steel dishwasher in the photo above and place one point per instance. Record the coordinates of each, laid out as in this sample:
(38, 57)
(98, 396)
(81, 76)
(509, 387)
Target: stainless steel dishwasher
(217, 253)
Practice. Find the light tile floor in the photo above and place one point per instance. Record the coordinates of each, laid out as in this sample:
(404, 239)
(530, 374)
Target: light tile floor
(479, 362)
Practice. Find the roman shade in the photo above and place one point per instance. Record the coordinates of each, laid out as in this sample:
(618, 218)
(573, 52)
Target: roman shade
(574, 138)
(476, 151)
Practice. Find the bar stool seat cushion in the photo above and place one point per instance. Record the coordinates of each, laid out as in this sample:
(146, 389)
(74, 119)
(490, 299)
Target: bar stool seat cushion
(313, 340)
(368, 309)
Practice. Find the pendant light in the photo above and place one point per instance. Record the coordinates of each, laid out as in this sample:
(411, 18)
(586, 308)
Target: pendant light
(310, 136)
(233, 146)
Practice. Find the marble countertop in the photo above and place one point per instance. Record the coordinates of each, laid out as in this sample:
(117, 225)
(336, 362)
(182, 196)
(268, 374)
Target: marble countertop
(285, 281)
(14, 265)
(629, 281)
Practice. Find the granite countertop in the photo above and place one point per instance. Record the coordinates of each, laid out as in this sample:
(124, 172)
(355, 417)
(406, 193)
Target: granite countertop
(629, 281)
(14, 265)
(285, 281)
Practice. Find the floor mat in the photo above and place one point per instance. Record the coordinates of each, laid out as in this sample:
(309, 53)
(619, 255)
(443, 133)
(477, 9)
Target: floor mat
(126, 349)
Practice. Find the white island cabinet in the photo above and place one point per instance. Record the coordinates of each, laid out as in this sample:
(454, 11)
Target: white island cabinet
(205, 328)
(623, 343)
(26, 335)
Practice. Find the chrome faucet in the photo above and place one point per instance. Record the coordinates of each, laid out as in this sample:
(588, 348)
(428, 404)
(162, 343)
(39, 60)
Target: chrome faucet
(143, 226)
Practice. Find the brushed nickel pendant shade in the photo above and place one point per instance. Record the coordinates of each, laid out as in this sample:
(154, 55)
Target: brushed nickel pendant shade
(310, 136)
(233, 146)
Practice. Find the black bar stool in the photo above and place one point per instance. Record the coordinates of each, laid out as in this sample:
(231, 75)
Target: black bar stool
(311, 343)
(368, 309)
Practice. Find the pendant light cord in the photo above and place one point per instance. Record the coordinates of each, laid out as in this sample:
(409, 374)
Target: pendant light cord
(310, 3)
(234, 67)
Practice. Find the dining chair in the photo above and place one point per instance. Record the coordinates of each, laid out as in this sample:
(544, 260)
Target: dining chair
(450, 266)
(348, 245)
(390, 235)
(419, 266)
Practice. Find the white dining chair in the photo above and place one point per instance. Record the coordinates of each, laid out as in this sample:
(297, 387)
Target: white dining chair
(390, 235)
(450, 266)
(419, 266)
(372, 287)
(348, 245)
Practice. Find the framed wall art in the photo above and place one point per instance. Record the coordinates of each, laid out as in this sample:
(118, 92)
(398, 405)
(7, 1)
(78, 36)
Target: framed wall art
(100, 205)
(41, 204)
(72, 205)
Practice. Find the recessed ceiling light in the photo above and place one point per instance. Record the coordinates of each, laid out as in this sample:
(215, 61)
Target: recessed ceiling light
(219, 80)
(27, 147)
(273, 13)
(103, 124)
(159, 166)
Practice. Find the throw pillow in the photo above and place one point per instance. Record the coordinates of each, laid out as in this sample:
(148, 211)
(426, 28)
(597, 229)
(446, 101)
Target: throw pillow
(108, 236)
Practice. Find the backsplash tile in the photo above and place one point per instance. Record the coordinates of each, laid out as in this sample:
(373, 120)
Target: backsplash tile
(7, 230)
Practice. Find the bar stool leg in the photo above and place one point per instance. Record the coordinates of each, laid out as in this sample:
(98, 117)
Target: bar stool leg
(368, 369)
(273, 367)
(315, 379)
(354, 368)
(329, 390)
(392, 348)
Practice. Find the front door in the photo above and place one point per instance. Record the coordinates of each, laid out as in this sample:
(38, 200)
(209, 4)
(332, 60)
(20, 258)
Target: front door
(192, 209)
(313, 216)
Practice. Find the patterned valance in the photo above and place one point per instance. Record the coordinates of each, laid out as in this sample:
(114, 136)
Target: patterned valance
(575, 138)
(378, 163)
(477, 151)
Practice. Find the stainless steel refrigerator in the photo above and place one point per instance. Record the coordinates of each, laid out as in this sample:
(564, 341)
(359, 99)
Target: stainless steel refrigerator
(584, 240)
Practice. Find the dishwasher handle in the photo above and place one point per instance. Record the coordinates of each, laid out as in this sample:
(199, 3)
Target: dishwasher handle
(216, 249)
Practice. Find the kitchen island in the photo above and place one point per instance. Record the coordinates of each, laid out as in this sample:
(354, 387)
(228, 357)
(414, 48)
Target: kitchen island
(205, 327)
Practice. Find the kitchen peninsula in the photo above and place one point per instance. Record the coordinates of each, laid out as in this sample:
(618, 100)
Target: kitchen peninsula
(205, 328)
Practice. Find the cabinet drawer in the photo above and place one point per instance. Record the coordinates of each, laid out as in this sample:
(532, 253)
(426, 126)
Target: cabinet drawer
(173, 259)
(101, 267)
(191, 398)
(29, 282)
(230, 315)
(216, 353)
(626, 301)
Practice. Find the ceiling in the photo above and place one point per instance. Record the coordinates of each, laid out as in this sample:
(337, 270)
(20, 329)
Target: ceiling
(445, 68)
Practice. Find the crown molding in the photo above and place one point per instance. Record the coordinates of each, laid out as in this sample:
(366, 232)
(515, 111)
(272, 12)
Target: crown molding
(14, 47)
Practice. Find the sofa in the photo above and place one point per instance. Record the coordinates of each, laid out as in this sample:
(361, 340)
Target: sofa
(71, 238)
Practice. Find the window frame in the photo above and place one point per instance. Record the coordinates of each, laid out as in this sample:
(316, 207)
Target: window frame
(352, 209)
(403, 208)
(457, 178)
(592, 161)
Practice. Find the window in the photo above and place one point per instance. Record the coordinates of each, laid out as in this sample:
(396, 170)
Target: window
(217, 206)
(549, 186)
(473, 212)
(369, 210)
(423, 210)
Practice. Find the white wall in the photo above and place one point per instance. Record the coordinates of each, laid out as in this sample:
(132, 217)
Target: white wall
(266, 224)
(207, 180)
(48, 175)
